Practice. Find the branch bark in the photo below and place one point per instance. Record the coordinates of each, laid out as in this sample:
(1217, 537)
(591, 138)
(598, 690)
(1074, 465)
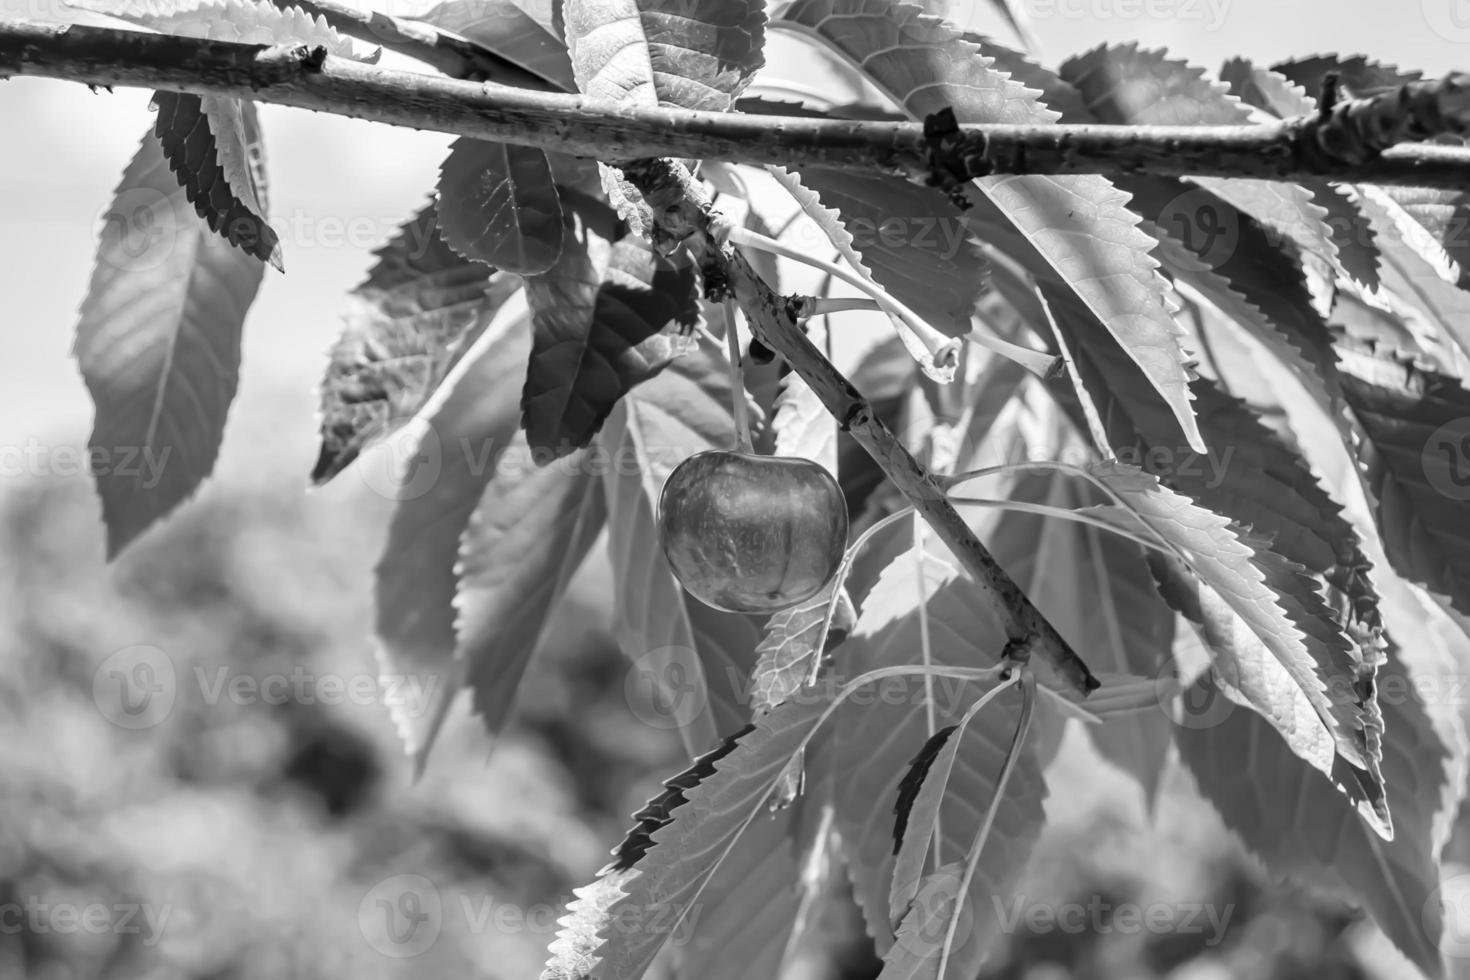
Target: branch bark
(1346, 144)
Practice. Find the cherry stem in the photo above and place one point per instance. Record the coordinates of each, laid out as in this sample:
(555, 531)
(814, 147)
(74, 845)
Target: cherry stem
(743, 442)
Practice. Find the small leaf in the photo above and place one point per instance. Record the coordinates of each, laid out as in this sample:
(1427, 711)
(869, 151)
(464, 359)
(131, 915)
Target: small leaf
(417, 311)
(1264, 654)
(692, 54)
(529, 533)
(158, 343)
(914, 814)
(438, 470)
(511, 32)
(682, 838)
(1412, 459)
(606, 318)
(919, 941)
(803, 426)
(213, 146)
(879, 732)
(498, 204)
(239, 21)
(790, 641)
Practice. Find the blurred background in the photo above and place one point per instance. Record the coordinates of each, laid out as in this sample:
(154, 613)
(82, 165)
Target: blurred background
(247, 835)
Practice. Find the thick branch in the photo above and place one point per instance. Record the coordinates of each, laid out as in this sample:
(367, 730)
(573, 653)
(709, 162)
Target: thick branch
(298, 77)
(683, 212)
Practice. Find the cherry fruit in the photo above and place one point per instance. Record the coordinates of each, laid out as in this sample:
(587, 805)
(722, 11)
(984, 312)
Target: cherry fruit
(750, 533)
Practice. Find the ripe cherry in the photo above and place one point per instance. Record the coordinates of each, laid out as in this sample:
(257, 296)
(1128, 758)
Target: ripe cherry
(750, 533)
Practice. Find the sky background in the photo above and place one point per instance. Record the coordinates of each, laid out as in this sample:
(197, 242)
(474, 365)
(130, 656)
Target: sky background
(339, 187)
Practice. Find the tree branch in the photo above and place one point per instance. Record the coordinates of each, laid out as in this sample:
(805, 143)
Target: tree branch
(454, 56)
(1343, 144)
(683, 212)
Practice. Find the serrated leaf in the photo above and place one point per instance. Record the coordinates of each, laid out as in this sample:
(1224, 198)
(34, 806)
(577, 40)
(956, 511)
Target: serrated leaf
(1412, 459)
(1297, 822)
(158, 344)
(606, 318)
(1126, 85)
(406, 323)
(909, 239)
(1251, 477)
(437, 469)
(919, 943)
(1078, 226)
(682, 837)
(1357, 76)
(499, 204)
(1416, 270)
(510, 31)
(213, 146)
(683, 410)
(1123, 626)
(878, 736)
(239, 21)
(790, 640)
(747, 909)
(693, 54)
(529, 533)
(1260, 651)
(1351, 230)
(1230, 260)
(1057, 94)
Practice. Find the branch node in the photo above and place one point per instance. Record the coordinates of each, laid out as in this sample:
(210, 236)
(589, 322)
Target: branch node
(949, 161)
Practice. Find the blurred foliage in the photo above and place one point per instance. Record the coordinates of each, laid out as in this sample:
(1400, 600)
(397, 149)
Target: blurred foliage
(249, 837)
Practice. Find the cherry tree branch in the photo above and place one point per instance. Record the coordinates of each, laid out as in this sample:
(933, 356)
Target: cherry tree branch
(1354, 141)
(454, 56)
(684, 215)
